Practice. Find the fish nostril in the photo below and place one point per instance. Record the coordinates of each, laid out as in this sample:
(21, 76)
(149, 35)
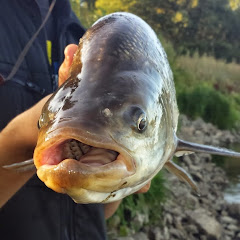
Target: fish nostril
(107, 112)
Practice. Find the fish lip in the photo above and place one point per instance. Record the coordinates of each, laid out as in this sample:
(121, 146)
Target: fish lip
(99, 142)
(125, 165)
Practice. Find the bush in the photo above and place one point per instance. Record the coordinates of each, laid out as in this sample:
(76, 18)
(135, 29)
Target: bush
(211, 105)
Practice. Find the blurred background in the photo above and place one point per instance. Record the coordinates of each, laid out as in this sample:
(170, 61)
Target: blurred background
(202, 41)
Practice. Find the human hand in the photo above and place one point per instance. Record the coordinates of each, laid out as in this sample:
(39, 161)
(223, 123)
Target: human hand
(110, 208)
(145, 188)
(65, 66)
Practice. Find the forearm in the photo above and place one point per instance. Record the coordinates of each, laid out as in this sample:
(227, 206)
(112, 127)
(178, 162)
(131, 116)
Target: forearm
(17, 143)
(11, 152)
(18, 139)
(111, 208)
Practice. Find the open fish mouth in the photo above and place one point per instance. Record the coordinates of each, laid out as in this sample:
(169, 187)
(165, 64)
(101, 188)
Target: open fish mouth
(69, 164)
(76, 150)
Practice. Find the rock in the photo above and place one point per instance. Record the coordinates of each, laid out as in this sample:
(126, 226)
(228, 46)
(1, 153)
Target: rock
(228, 220)
(176, 233)
(168, 219)
(191, 201)
(140, 236)
(139, 220)
(233, 228)
(155, 234)
(219, 180)
(124, 238)
(166, 233)
(187, 160)
(206, 223)
(224, 213)
(229, 233)
(209, 167)
(227, 238)
(192, 229)
(234, 210)
(196, 168)
(175, 211)
(178, 223)
(203, 237)
(197, 176)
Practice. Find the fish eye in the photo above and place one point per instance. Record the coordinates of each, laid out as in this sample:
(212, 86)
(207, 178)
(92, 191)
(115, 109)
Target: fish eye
(137, 119)
(142, 122)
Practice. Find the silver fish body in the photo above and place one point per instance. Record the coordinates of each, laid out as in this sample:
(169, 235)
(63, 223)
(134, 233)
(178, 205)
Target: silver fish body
(120, 105)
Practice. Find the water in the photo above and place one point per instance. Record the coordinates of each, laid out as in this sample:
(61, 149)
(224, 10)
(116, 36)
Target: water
(232, 168)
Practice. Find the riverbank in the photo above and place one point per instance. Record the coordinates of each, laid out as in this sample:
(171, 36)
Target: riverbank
(189, 217)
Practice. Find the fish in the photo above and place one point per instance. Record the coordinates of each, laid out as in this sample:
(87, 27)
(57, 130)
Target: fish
(111, 127)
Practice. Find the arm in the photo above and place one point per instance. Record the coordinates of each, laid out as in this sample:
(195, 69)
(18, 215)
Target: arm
(111, 208)
(17, 143)
(18, 139)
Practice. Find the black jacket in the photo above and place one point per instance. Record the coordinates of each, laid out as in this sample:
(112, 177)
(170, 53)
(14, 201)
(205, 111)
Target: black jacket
(36, 212)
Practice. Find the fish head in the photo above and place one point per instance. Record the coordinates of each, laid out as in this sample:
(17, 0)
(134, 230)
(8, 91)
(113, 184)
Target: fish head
(108, 130)
(101, 142)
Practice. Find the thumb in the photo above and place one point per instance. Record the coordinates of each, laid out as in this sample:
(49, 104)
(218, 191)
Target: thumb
(65, 66)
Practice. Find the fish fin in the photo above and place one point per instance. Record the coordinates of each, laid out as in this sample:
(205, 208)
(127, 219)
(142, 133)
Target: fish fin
(27, 165)
(182, 153)
(182, 175)
(184, 146)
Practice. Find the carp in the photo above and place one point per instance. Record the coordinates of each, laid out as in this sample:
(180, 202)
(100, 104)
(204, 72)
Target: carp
(111, 127)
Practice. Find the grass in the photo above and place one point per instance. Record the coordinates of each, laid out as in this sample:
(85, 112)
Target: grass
(224, 77)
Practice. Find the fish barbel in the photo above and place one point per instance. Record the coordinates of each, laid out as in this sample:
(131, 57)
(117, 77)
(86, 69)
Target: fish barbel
(111, 127)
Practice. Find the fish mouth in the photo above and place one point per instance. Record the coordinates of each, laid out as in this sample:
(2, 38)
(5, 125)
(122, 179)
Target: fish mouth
(79, 151)
(67, 164)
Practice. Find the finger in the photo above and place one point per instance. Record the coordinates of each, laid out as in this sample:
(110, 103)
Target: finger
(65, 66)
(145, 188)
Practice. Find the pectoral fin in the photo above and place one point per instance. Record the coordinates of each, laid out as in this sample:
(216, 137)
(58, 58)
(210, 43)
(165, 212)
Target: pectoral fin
(27, 165)
(187, 147)
(181, 174)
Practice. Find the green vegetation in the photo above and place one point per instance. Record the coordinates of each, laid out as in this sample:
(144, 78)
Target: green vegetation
(209, 26)
(206, 69)
(147, 204)
(211, 105)
(208, 88)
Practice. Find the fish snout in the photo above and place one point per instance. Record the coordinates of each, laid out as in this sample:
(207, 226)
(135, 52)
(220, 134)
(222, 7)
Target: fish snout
(80, 159)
